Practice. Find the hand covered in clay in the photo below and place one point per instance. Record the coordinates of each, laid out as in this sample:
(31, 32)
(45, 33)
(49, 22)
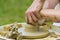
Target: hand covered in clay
(33, 12)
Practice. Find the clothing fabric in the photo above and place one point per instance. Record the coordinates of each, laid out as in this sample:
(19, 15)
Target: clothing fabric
(57, 6)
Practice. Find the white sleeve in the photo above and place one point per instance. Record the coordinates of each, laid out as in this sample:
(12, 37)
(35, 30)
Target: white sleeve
(57, 6)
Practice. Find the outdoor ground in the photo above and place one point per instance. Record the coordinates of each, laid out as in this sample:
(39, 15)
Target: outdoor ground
(13, 10)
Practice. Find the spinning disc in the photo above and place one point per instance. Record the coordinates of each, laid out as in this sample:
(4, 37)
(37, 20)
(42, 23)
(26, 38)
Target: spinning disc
(35, 35)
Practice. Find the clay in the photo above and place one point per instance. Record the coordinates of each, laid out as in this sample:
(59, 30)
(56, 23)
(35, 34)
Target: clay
(13, 33)
(3, 33)
(7, 27)
(35, 35)
(45, 27)
(19, 25)
(32, 31)
(40, 30)
(41, 21)
(52, 34)
(31, 28)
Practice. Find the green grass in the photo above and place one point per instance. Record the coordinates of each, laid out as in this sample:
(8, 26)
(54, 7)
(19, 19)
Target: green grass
(13, 10)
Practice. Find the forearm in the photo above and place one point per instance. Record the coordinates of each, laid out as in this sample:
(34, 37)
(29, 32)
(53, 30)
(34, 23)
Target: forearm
(51, 15)
(50, 4)
(36, 5)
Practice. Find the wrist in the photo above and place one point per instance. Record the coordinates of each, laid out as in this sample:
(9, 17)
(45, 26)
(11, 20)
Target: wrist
(45, 15)
(50, 15)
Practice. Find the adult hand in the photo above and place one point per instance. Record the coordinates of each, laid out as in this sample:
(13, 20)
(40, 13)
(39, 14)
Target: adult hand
(32, 13)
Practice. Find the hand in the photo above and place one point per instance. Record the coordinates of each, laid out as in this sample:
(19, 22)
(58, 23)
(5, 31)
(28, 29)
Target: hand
(51, 15)
(32, 13)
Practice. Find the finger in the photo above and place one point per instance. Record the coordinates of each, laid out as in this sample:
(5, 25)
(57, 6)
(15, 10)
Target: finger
(37, 14)
(34, 17)
(29, 18)
(26, 18)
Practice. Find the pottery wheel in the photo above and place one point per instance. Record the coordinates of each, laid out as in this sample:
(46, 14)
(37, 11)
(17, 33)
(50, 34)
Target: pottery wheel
(35, 35)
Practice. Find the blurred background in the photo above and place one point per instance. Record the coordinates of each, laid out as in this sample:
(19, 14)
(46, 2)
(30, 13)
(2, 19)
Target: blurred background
(13, 10)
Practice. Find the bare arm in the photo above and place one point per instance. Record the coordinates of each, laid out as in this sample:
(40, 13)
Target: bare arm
(50, 4)
(51, 15)
(49, 12)
(32, 13)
